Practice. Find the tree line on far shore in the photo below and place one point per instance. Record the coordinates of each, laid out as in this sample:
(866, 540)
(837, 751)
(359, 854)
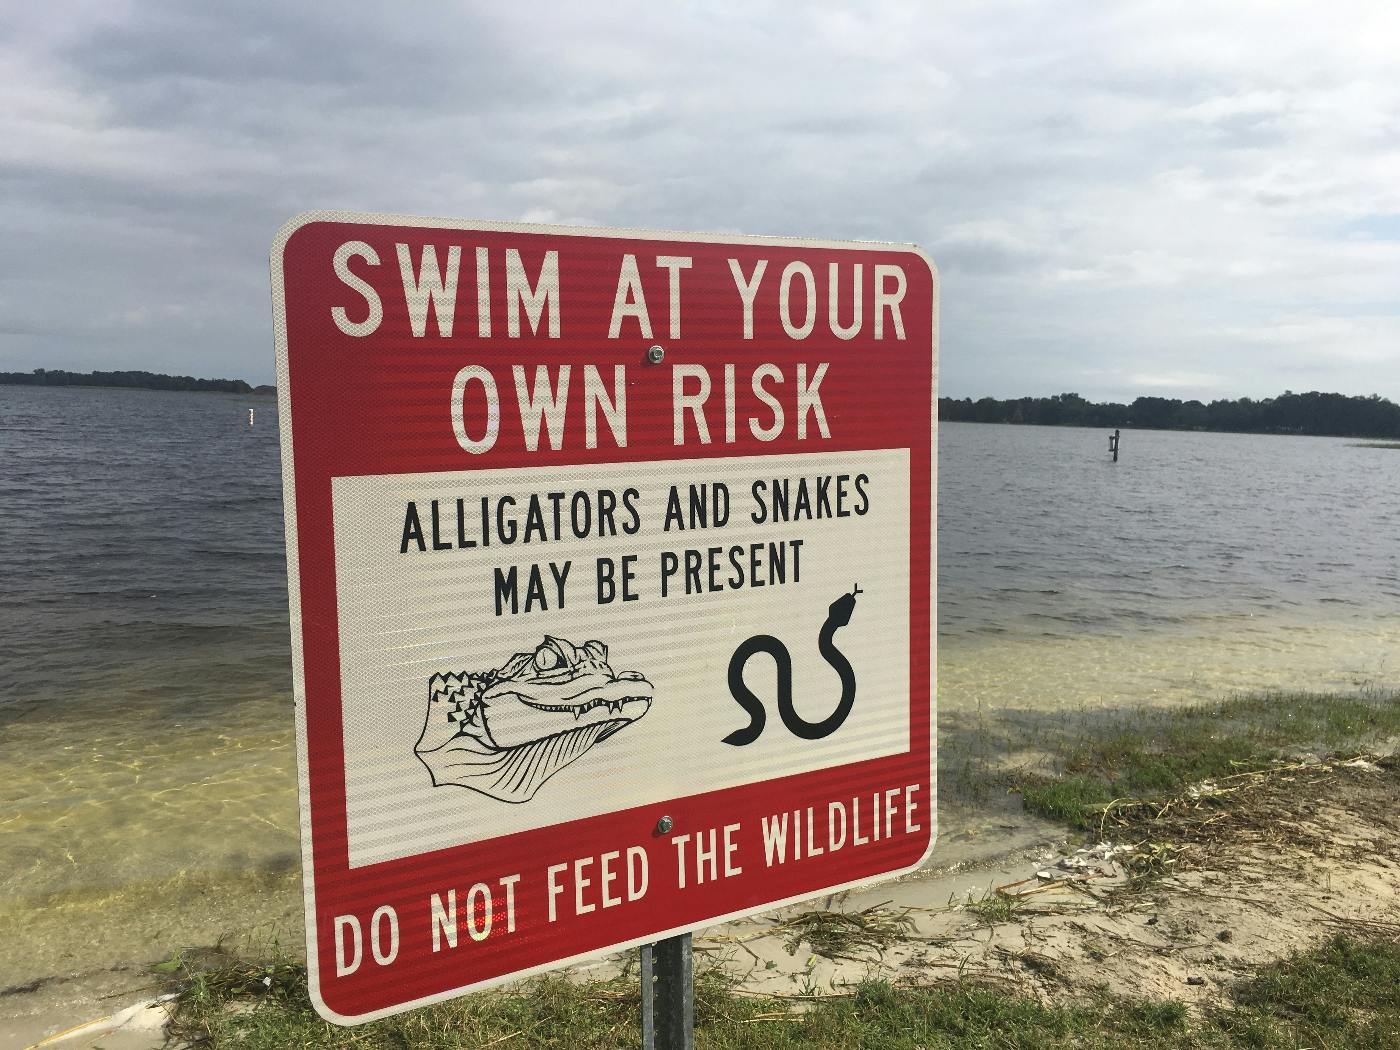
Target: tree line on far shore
(143, 380)
(1335, 415)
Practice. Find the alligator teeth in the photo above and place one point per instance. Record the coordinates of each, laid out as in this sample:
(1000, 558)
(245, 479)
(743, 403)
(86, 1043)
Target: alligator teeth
(612, 706)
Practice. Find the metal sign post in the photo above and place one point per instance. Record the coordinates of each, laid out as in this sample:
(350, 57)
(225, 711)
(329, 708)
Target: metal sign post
(668, 994)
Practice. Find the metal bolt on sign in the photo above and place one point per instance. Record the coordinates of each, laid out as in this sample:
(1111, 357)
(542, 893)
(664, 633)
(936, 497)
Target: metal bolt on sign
(656, 354)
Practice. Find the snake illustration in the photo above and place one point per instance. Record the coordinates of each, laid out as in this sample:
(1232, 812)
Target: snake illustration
(837, 617)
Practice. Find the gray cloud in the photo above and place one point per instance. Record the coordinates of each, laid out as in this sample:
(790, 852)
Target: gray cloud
(1121, 199)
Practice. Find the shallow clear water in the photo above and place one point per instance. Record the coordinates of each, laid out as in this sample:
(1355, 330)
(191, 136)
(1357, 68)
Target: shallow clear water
(145, 711)
(1199, 564)
(145, 720)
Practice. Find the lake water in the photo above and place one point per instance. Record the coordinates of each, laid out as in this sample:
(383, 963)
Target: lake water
(145, 714)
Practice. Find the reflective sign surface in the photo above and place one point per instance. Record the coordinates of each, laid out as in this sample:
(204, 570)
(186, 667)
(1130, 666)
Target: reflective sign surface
(589, 528)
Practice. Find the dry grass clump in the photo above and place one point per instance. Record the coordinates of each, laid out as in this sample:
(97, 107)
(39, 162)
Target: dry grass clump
(848, 935)
(1260, 810)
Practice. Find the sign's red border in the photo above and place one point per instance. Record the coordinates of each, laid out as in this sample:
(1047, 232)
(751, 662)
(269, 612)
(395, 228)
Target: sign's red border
(311, 457)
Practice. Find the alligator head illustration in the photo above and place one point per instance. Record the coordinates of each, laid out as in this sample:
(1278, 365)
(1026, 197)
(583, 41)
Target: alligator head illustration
(504, 732)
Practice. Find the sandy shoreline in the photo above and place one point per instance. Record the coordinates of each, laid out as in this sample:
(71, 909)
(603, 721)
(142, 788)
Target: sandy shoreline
(1046, 919)
(1314, 847)
(52, 977)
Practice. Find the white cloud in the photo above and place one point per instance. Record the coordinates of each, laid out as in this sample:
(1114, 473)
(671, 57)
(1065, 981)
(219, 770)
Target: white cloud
(1167, 382)
(1120, 197)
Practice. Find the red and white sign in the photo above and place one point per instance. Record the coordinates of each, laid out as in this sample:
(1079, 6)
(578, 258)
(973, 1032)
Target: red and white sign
(587, 528)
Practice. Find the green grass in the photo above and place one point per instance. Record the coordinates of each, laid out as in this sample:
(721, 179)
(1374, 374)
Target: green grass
(1345, 985)
(1160, 753)
(1345, 993)
(1069, 800)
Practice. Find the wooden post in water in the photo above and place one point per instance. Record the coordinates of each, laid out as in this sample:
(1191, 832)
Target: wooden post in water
(1113, 444)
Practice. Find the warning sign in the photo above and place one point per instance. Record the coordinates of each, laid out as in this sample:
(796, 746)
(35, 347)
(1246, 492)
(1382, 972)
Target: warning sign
(611, 561)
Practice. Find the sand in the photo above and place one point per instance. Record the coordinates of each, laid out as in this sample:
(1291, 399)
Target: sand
(1248, 872)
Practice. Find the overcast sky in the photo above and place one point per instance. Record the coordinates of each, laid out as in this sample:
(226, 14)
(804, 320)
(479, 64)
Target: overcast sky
(1156, 198)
